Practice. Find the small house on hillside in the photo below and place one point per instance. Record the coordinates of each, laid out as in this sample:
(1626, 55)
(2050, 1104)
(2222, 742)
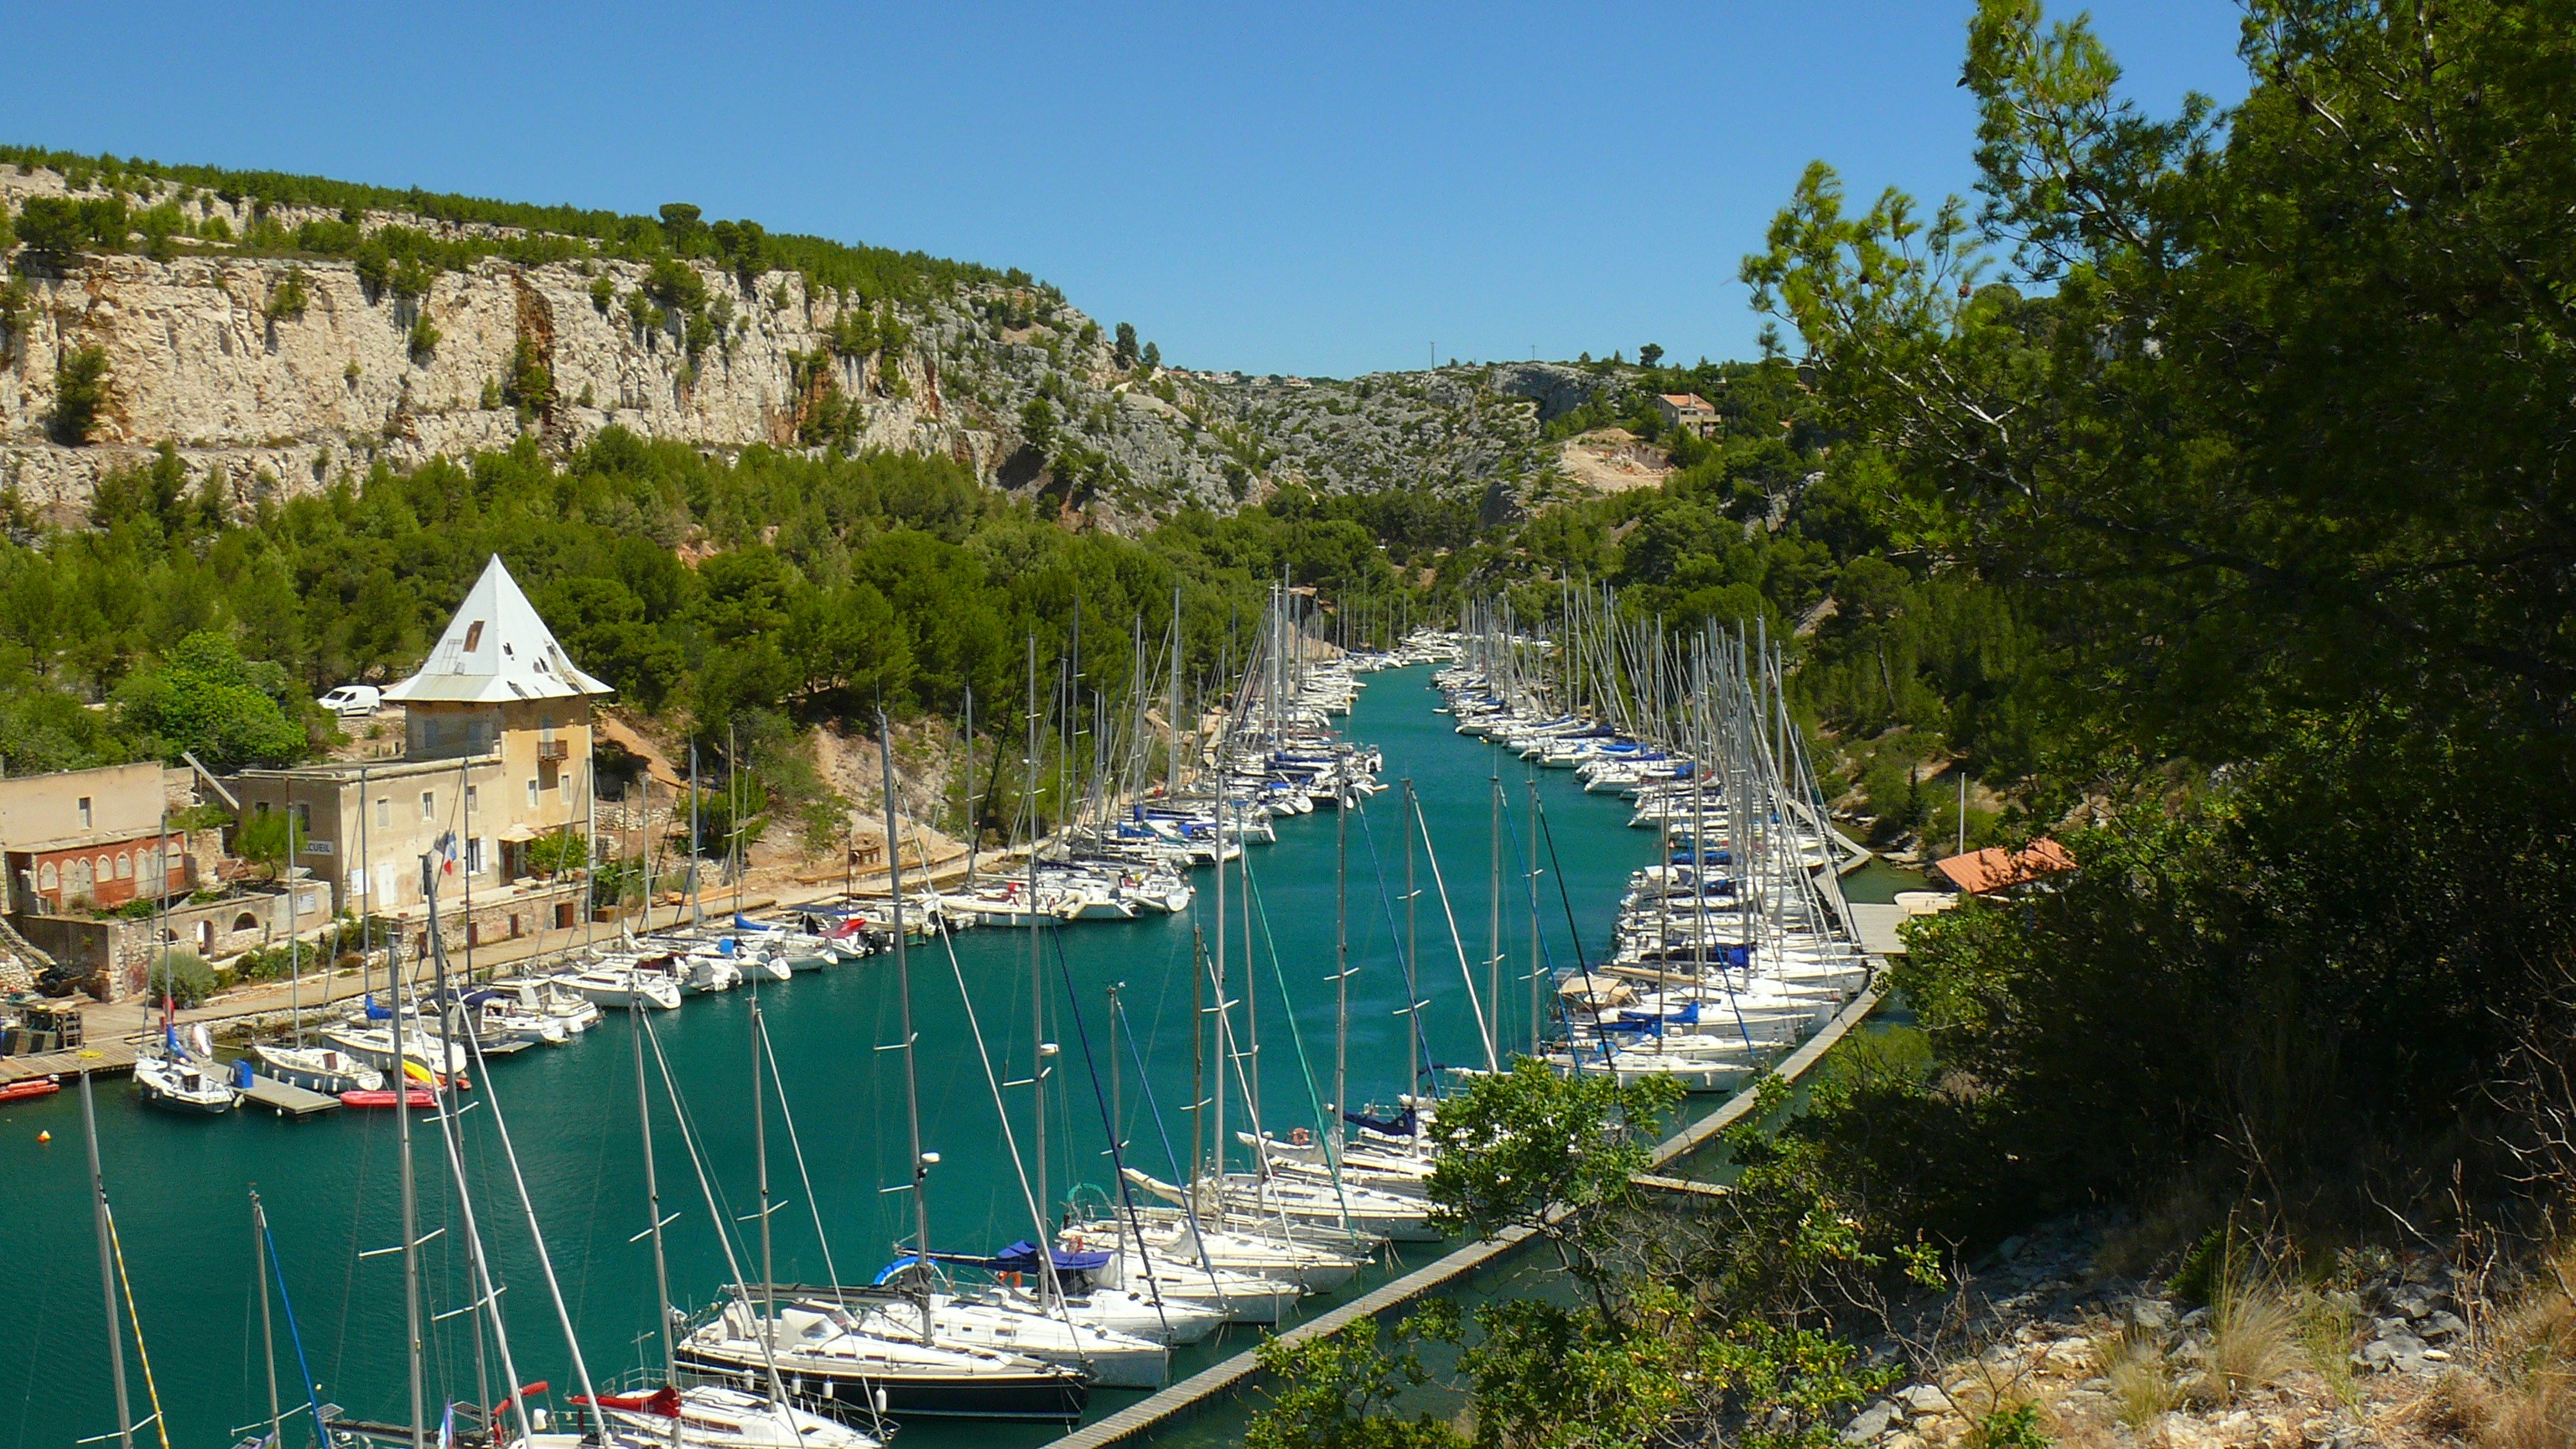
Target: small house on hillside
(496, 750)
(1996, 871)
(1687, 411)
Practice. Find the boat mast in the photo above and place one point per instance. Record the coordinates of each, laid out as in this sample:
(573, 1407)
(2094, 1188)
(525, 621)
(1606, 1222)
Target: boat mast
(1198, 1054)
(294, 957)
(589, 842)
(487, 1299)
(267, 1327)
(697, 917)
(1216, 1100)
(1037, 967)
(1412, 896)
(1250, 1058)
(1537, 1008)
(974, 832)
(921, 1161)
(430, 864)
(465, 809)
(1341, 968)
(1494, 889)
(366, 916)
(1172, 724)
(652, 1184)
(107, 1268)
(760, 1155)
(734, 854)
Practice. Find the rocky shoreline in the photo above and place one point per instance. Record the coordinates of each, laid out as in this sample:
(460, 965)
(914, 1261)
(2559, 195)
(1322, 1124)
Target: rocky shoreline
(2040, 1345)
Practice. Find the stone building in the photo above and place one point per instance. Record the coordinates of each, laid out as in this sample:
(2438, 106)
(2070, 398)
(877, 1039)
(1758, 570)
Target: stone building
(1687, 411)
(90, 837)
(496, 753)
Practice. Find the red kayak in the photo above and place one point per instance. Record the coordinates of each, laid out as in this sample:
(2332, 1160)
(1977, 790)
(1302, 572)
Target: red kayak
(32, 1087)
(419, 1099)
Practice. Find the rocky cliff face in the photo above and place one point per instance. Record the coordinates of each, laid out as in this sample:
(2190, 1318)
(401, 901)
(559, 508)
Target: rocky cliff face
(208, 352)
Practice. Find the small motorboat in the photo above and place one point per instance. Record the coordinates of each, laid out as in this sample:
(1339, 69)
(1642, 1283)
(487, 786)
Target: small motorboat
(31, 1088)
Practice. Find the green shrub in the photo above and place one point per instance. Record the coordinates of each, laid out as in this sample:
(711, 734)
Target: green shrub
(424, 339)
(561, 851)
(184, 976)
(530, 385)
(80, 391)
(676, 285)
(53, 231)
(16, 303)
(603, 294)
(288, 301)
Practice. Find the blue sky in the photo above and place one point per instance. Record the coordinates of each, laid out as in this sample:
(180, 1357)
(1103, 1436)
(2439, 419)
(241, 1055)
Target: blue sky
(1304, 189)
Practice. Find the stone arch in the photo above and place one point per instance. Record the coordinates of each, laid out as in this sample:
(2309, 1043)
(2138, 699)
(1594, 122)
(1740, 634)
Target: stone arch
(124, 865)
(245, 922)
(48, 878)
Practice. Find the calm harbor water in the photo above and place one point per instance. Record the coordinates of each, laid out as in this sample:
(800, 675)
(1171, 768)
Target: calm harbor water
(180, 1187)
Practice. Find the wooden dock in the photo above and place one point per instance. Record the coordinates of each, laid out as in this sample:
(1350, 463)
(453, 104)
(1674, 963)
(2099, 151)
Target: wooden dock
(1877, 926)
(105, 1059)
(285, 1098)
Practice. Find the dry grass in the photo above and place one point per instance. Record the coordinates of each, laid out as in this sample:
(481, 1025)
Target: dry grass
(2527, 1411)
(2526, 1398)
(2142, 1379)
(2325, 1335)
(2254, 1343)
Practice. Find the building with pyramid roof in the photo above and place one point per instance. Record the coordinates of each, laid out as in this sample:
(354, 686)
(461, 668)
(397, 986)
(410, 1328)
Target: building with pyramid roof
(495, 651)
(496, 750)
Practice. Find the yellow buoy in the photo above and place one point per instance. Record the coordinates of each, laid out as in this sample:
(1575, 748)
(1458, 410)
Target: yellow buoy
(42, 1137)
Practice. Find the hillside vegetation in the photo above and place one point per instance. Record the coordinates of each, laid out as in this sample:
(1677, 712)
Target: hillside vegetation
(2206, 481)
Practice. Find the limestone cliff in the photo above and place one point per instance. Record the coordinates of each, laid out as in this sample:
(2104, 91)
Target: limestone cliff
(284, 370)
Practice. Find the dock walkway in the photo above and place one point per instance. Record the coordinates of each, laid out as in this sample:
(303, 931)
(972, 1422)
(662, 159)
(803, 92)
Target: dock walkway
(287, 1099)
(1194, 1392)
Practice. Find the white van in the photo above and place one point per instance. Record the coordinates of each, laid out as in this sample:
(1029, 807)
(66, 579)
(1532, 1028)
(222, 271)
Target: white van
(353, 701)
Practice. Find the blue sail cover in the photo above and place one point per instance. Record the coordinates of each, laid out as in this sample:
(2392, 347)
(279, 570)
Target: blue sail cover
(1403, 1124)
(1022, 1257)
(375, 1012)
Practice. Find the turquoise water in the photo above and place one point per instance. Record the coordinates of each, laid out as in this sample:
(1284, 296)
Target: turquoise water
(180, 1186)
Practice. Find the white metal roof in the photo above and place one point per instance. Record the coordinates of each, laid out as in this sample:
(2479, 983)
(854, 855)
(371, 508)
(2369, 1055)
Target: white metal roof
(496, 650)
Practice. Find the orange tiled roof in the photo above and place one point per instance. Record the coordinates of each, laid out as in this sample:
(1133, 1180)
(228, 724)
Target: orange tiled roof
(1995, 868)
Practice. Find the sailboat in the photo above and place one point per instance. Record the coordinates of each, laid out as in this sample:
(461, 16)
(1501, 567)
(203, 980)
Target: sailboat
(705, 1416)
(180, 1073)
(864, 1356)
(673, 1416)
